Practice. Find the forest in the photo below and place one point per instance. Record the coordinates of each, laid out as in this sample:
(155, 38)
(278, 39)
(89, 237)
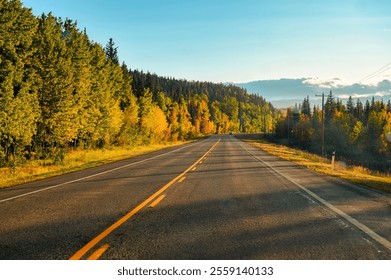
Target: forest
(359, 134)
(59, 90)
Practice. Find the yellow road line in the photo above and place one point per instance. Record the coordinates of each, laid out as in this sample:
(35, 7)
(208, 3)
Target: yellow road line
(98, 253)
(79, 254)
(156, 202)
(95, 175)
(182, 179)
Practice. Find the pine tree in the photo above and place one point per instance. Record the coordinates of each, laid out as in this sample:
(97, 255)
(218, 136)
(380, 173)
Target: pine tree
(359, 110)
(112, 51)
(330, 107)
(350, 106)
(367, 111)
(316, 120)
(306, 107)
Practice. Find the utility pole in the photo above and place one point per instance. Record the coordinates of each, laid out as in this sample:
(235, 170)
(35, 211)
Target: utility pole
(322, 122)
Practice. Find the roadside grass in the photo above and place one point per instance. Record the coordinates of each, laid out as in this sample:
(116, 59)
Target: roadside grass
(355, 174)
(75, 160)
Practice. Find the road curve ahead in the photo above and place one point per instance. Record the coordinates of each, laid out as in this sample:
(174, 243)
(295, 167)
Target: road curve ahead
(218, 198)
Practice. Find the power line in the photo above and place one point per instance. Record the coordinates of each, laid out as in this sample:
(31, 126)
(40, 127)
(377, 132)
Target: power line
(376, 73)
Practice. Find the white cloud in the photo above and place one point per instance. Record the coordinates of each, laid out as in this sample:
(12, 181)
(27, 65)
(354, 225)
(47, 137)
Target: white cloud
(325, 83)
(357, 95)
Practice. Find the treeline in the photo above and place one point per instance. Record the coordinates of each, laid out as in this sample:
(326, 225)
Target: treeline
(60, 90)
(360, 134)
(213, 108)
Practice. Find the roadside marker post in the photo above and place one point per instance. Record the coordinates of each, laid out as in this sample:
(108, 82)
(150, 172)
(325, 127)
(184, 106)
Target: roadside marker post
(333, 161)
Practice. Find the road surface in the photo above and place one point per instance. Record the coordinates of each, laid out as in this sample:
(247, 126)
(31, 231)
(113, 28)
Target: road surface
(217, 198)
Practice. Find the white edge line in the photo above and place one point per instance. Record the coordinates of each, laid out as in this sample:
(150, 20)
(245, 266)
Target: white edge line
(362, 227)
(95, 175)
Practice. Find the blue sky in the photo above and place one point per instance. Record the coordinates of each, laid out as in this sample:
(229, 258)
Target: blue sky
(239, 41)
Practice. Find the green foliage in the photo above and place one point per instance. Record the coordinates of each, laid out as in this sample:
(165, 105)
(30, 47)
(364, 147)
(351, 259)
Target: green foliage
(359, 135)
(53, 64)
(59, 90)
(107, 82)
(130, 133)
(18, 95)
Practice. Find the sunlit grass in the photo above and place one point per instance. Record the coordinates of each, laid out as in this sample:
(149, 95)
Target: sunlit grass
(75, 160)
(355, 174)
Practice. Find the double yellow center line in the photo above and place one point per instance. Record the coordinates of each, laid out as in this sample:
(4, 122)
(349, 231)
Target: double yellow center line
(79, 254)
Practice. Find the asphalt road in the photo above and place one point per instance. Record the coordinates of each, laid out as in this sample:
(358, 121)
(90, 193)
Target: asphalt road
(218, 198)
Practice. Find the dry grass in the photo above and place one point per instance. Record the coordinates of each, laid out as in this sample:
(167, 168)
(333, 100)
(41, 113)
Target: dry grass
(355, 174)
(74, 161)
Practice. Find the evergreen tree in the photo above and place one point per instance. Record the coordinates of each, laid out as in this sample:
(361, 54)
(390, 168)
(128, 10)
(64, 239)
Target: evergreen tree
(367, 111)
(330, 107)
(359, 110)
(350, 106)
(112, 51)
(306, 107)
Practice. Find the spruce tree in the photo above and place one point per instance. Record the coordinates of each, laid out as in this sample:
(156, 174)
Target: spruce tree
(350, 106)
(306, 107)
(112, 51)
(330, 107)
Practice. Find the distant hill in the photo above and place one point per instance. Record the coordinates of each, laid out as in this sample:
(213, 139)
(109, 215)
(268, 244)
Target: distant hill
(286, 92)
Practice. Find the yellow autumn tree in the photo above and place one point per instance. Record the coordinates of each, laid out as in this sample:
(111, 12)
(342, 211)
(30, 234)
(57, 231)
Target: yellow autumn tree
(160, 124)
(153, 122)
